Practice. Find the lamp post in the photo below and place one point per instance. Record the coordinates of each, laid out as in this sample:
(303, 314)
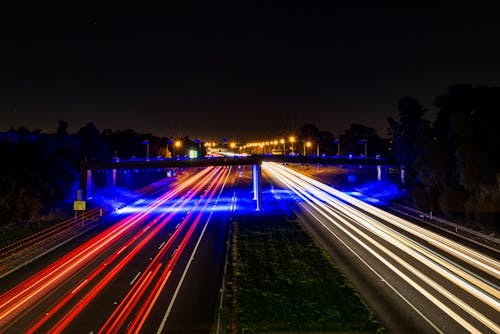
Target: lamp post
(282, 141)
(337, 141)
(292, 140)
(198, 141)
(307, 144)
(366, 146)
(146, 142)
(177, 144)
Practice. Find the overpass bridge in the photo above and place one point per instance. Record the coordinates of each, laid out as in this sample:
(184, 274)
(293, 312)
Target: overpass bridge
(255, 161)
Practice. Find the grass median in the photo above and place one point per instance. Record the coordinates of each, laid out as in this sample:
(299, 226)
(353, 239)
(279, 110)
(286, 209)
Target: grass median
(283, 282)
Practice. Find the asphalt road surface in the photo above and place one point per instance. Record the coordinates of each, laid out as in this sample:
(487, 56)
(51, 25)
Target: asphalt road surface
(415, 280)
(155, 267)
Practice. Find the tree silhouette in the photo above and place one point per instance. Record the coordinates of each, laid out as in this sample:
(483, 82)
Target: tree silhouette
(404, 134)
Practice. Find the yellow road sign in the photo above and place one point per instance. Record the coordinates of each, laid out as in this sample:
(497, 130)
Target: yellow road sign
(79, 205)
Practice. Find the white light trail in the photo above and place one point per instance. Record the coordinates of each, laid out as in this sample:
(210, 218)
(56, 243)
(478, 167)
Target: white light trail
(356, 219)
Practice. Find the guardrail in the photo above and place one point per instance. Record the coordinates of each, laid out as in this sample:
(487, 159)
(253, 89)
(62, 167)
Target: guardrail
(453, 226)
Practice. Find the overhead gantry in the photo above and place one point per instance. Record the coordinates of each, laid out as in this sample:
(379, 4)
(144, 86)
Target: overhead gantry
(86, 169)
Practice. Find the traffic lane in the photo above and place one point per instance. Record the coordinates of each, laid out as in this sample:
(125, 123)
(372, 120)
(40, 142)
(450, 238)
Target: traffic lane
(137, 225)
(440, 266)
(196, 302)
(459, 293)
(486, 247)
(196, 295)
(410, 301)
(23, 273)
(396, 315)
(30, 268)
(392, 261)
(42, 306)
(80, 281)
(108, 299)
(161, 260)
(434, 248)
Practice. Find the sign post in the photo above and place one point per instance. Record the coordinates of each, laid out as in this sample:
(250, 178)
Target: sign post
(79, 205)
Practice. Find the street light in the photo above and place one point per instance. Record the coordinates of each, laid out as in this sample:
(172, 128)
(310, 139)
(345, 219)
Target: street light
(337, 141)
(177, 144)
(282, 141)
(306, 144)
(366, 146)
(146, 142)
(292, 140)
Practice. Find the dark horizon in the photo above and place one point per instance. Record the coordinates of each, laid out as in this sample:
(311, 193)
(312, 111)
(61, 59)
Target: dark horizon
(240, 72)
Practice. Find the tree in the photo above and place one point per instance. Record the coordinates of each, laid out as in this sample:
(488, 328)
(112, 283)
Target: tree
(352, 141)
(467, 125)
(404, 134)
(94, 146)
(62, 129)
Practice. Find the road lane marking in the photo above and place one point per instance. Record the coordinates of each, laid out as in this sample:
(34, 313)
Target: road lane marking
(169, 309)
(135, 278)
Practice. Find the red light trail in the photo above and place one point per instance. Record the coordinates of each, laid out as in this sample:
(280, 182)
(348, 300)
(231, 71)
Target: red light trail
(39, 288)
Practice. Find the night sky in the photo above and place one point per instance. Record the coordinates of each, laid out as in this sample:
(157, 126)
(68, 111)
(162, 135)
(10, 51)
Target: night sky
(239, 71)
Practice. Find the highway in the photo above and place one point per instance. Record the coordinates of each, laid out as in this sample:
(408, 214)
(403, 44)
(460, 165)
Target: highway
(156, 268)
(415, 280)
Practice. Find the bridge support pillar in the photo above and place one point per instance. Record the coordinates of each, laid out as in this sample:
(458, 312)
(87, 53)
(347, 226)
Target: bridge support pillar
(89, 184)
(257, 185)
(113, 178)
(85, 182)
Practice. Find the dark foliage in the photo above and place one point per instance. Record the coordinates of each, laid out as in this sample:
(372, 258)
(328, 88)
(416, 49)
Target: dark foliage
(40, 171)
(456, 158)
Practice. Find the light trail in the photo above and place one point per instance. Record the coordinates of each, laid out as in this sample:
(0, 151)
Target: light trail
(35, 241)
(340, 211)
(131, 300)
(471, 256)
(417, 250)
(191, 257)
(40, 285)
(84, 301)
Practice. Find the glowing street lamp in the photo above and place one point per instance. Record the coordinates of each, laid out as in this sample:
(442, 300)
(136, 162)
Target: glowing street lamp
(292, 140)
(177, 144)
(307, 144)
(282, 141)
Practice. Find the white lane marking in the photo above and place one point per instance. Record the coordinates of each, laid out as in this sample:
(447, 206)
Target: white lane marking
(177, 289)
(479, 316)
(162, 244)
(376, 273)
(319, 220)
(169, 309)
(135, 278)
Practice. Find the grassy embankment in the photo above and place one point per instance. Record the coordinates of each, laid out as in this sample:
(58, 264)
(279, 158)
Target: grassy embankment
(281, 281)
